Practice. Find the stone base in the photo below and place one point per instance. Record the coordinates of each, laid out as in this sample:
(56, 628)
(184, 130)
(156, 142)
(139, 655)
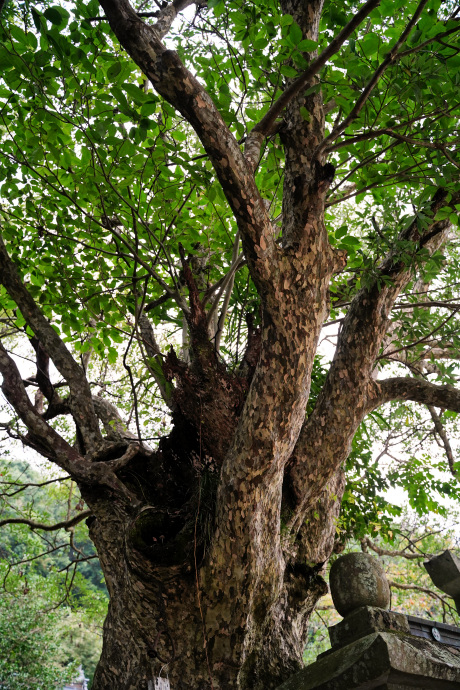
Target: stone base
(383, 661)
(365, 621)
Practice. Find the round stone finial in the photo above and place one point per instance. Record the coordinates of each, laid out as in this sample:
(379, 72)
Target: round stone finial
(358, 579)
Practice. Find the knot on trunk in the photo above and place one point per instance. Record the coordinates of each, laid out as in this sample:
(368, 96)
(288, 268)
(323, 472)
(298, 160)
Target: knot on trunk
(304, 586)
(161, 536)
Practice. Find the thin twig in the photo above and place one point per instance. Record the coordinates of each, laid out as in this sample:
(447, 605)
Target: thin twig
(391, 57)
(440, 430)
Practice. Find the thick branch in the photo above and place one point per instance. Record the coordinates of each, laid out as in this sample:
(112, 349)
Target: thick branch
(417, 390)
(429, 304)
(103, 18)
(81, 400)
(42, 375)
(179, 87)
(13, 388)
(113, 424)
(168, 14)
(348, 393)
(65, 524)
(49, 442)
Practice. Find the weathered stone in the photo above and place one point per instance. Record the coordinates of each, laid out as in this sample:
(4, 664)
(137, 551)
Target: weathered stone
(364, 621)
(444, 571)
(358, 579)
(392, 661)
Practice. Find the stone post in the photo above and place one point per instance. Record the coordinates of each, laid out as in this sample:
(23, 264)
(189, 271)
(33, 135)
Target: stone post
(376, 649)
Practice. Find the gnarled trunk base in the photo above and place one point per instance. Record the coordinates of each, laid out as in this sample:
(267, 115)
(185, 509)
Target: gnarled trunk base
(161, 624)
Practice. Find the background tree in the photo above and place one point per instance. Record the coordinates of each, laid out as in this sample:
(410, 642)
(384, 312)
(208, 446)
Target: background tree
(53, 601)
(29, 641)
(123, 211)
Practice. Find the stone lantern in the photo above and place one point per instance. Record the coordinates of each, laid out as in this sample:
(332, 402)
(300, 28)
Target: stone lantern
(374, 648)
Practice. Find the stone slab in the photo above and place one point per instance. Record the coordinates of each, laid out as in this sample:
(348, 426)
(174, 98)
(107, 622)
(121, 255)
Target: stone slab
(365, 621)
(444, 571)
(392, 660)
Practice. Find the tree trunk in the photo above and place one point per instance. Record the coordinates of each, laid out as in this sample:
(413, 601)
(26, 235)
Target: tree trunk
(168, 617)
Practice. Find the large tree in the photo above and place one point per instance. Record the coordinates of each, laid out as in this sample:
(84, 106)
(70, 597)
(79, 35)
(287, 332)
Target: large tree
(136, 158)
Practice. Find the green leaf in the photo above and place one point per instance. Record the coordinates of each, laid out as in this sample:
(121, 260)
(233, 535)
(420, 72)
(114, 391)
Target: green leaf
(341, 232)
(370, 44)
(57, 15)
(114, 70)
(305, 114)
(295, 34)
(312, 89)
(36, 17)
(307, 46)
(350, 242)
(288, 71)
(286, 20)
(19, 35)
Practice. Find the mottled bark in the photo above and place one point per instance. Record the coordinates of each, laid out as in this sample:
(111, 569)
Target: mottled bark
(164, 616)
(349, 390)
(260, 638)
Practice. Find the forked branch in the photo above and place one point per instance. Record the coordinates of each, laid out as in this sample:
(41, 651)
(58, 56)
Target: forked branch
(50, 443)
(183, 91)
(81, 401)
(265, 127)
(13, 389)
(390, 58)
